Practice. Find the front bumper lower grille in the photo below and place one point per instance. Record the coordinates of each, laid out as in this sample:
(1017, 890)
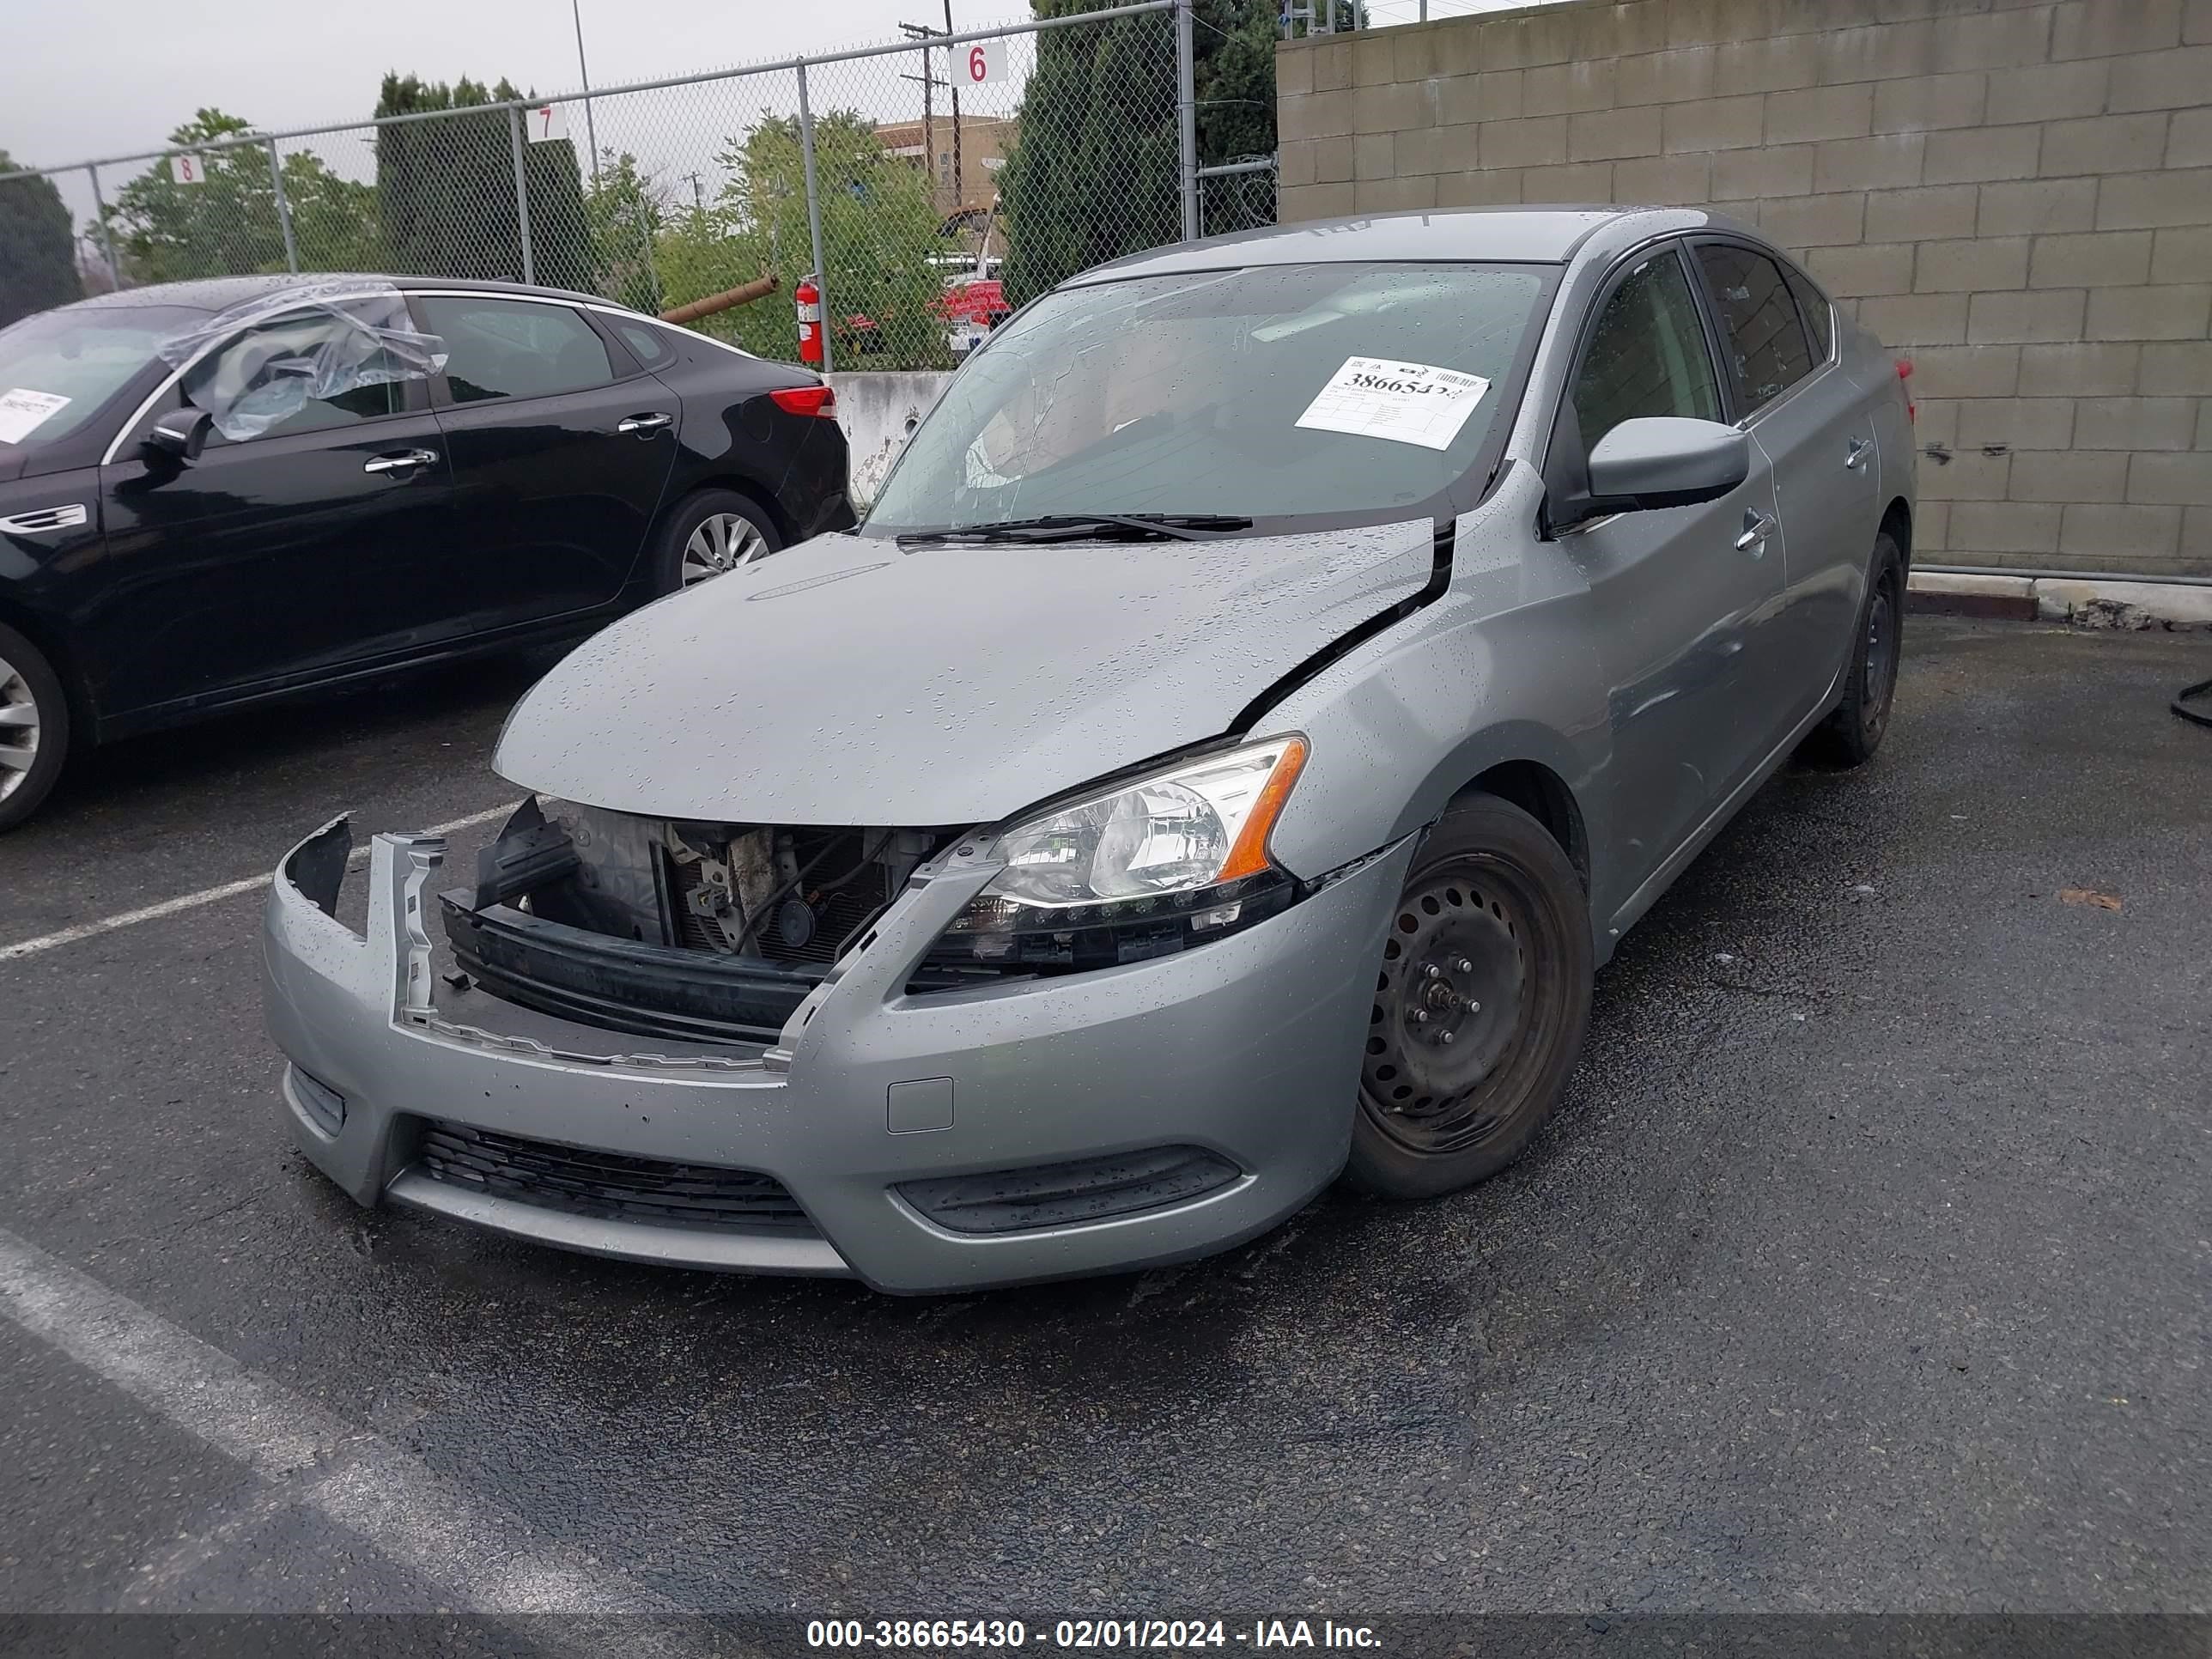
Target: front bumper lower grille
(609, 1185)
(1063, 1194)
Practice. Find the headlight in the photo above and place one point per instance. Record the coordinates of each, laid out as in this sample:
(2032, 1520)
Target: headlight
(1144, 869)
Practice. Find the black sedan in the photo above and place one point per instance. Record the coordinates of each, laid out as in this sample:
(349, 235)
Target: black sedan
(560, 461)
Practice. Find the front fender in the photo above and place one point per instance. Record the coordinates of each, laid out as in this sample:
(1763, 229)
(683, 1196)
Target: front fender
(1499, 669)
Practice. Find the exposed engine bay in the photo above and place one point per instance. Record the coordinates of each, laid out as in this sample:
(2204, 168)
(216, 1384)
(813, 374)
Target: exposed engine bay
(784, 895)
(673, 928)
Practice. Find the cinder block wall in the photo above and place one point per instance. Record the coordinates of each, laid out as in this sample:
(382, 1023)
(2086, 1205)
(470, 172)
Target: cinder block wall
(2017, 196)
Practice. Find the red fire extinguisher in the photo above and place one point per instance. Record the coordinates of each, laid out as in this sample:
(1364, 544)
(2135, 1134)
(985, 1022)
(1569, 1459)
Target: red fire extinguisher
(810, 320)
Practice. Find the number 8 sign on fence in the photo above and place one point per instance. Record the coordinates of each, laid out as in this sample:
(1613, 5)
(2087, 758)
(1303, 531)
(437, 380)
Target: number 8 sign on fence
(986, 62)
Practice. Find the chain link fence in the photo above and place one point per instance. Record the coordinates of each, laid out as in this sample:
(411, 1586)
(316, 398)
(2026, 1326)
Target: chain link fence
(1236, 195)
(930, 185)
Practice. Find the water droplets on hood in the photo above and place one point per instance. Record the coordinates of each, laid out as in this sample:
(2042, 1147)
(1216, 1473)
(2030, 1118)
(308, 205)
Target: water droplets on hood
(951, 687)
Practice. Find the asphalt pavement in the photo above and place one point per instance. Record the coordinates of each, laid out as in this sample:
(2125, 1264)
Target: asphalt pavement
(1865, 1266)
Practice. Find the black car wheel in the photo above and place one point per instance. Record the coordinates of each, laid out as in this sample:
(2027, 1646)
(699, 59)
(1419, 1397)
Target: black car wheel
(1854, 731)
(35, 728)
(714, 531)
(1480, 1005)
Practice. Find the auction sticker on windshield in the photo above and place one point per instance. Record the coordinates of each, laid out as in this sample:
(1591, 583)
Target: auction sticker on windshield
(1405, 403)
(21, 411)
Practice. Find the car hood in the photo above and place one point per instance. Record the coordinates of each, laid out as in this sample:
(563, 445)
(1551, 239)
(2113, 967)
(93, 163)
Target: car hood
(851, 681)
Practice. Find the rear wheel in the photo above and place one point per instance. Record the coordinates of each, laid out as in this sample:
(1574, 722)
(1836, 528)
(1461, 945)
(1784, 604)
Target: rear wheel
(1850, 735)
(35, 728)
(1480, 1005)
(714, 531)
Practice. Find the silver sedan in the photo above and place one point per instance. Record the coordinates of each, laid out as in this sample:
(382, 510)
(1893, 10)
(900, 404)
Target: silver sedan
(1270, 683)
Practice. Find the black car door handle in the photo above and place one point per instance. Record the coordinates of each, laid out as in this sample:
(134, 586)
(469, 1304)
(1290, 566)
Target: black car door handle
(406, 460)
(645, 425)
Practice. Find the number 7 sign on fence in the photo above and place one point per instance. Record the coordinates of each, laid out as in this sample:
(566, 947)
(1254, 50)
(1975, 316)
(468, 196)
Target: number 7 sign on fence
(547, 121)
(981, 62)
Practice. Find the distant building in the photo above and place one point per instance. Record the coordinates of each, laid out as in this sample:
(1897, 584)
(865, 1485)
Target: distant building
(965, 177)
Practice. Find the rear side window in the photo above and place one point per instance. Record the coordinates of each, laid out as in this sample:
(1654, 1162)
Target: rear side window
(1767, 351)
(648, 342)
(1814, 306)
(514, 348)
(1647, 354)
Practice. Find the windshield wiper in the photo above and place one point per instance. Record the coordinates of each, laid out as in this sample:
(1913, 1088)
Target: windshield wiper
(1088, 526)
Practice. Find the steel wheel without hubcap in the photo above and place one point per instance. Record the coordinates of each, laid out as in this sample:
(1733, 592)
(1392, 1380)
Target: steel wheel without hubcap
(722, 541)
(1879, 667)
(1481, 1002)
(1853, 730)
(1447, 1009)
(19, 729)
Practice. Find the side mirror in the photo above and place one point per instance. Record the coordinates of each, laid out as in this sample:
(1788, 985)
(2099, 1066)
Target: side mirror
(180, 434)
(1666, 460)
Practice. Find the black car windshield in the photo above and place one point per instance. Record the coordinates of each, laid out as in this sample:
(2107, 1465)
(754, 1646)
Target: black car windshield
(59, 368)
(1265, 393)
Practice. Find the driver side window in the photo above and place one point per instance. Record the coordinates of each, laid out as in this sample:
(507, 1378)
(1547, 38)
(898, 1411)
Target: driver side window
(267, 379)
(1647, 355)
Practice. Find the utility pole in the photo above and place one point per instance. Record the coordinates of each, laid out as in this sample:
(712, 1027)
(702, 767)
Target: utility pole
(929, 83)
(591, 133)
(959, 194)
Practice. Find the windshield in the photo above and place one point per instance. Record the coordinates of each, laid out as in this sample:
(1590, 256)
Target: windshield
(1264, 392)
(58, 369)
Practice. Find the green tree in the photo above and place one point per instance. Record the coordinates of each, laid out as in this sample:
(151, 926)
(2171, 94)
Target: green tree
(702, 250)
(446, 188)
(626, 209)
(37, 251)
(228, 224)
(880, 237)
(225, 225)
(336, 224)
(1093, 175)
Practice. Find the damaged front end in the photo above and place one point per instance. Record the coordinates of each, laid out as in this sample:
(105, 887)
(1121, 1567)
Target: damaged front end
(702, 931)
(798, 1102)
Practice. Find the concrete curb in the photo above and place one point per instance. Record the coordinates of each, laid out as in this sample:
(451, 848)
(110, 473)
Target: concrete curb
(2104, 605)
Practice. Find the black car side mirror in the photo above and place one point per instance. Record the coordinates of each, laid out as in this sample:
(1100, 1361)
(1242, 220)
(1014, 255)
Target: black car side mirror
(180, 434)
(1666, 460)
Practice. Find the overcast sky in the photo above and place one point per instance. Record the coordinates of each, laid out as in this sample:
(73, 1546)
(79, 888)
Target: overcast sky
(108, 78)
(98, 78)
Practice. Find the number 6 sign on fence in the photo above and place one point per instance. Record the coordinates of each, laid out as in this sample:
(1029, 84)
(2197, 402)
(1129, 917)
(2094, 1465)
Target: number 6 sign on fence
(986, 62)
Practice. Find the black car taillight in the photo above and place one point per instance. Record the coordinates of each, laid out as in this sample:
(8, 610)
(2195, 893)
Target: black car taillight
(806, 400)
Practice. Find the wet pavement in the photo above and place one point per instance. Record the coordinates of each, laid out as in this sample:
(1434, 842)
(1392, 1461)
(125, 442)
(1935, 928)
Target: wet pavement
(1865, 1266)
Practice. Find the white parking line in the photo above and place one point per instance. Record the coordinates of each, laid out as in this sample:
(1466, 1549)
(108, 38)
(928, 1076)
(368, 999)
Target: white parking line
(483, 1558)
(31, 947)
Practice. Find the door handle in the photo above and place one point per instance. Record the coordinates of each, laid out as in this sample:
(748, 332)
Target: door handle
(1756, 527)
(405, 461)
(646, 424)
(1856, 457)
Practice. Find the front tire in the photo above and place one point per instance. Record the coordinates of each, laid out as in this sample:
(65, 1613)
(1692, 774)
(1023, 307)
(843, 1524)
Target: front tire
(1480, 1005)
(713, 532)
(35, 728)
(1850, 735)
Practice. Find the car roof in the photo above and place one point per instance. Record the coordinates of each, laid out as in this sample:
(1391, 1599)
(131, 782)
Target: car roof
(1542, 235)
(213, 294)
